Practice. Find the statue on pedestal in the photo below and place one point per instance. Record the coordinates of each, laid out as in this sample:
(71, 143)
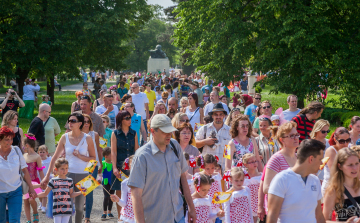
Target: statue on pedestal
(157, 53)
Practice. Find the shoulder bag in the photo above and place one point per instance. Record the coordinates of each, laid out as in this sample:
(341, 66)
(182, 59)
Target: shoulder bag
(24, 185)
(353, 201)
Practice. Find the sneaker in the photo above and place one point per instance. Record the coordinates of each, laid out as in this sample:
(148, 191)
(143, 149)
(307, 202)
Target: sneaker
(43, 210)
(103, 217)
(111, 216)
(40, 206)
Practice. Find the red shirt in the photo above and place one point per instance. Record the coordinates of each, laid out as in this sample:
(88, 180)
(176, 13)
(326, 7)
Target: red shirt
(304, 126)
(248, 99)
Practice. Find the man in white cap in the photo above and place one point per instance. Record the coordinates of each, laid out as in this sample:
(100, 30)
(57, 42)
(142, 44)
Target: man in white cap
(154, 179)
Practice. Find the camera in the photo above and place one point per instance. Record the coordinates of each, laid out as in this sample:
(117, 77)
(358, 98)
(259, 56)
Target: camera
(13, 93)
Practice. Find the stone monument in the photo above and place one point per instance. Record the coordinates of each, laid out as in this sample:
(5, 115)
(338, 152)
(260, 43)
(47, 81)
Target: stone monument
(158, 61)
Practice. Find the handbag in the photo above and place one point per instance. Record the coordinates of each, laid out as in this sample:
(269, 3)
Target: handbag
(24, 185)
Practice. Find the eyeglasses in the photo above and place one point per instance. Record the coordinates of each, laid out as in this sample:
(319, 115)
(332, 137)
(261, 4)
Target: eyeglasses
(185, 133)
(265, 107)
(323, 132)
(258, 98)
(49, 112)
(127, 118)
(343, 141)
(244, 126)
(87, 122)
(294, 136)
(187, 120)
(134, 87)
(104, 121)
(253, 162)
(73, 121)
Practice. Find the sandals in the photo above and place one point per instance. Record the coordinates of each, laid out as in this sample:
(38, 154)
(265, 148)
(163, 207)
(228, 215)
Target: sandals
(87, 221)
(28, 222)
(36, 217)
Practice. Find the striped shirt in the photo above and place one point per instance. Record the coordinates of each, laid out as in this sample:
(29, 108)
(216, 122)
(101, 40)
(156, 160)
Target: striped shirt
(61, 195)
(304, 126)
(277, 163)
(267, 147)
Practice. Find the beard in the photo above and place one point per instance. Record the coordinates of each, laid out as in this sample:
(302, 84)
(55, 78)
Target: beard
(172, 111)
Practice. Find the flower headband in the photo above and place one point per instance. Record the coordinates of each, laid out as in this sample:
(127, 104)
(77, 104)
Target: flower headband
(217, 158)
(126, 164)
(30, 137)
(198, 177)
(192, 161)
(202, 161)
(246, 174)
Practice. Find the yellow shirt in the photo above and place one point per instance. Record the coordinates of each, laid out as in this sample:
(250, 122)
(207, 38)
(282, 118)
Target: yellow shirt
(151, 96)
(126, 85)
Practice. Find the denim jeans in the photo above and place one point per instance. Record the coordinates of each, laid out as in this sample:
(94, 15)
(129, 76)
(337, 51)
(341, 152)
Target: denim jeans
(181, 221)
(13, 200)
(142, 140)
(90, 197)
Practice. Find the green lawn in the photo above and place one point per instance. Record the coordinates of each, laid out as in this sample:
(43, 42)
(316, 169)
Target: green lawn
(43, 85)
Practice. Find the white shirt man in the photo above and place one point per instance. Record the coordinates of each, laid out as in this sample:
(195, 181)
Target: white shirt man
(214, 146)
(290, 113)
(140, 101)
(295, 193)
(214, 98)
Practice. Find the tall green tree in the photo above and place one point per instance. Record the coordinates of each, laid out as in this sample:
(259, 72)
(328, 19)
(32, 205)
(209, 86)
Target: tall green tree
(217, 36)
(50, 36)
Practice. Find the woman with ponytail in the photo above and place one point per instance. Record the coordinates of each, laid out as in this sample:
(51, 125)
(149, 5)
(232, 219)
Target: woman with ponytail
(344, 183)
(354, 128)
(338, 140)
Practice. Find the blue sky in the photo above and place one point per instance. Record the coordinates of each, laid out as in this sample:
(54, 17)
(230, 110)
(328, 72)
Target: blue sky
(163, 3)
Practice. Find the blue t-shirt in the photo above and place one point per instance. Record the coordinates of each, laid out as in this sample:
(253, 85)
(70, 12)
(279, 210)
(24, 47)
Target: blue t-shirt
(136, 125)
(244, 85)
(206, 86)
(251, 112)
(288, 115)
(185, 88)
(122, 92)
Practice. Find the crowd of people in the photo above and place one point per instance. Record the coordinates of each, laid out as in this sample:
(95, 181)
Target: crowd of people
(187, 156)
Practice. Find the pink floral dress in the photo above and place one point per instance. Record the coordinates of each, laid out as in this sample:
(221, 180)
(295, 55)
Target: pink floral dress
(238, 208)
(241, 151)
(253, 184)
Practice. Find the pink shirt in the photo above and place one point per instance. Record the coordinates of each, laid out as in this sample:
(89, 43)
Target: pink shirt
(277, 163)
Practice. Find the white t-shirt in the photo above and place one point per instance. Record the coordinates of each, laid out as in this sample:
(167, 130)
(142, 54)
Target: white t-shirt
(288, 115)
(139, 101)
(112, 115)
(209, 107)
(300, 199)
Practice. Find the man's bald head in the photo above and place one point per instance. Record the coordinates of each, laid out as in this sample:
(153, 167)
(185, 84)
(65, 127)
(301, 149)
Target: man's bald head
(44, 107)
(173, 104)
(135, 88)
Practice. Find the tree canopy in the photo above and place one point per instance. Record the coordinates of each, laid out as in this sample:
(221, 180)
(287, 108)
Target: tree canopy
(300, 44)
(53, 36)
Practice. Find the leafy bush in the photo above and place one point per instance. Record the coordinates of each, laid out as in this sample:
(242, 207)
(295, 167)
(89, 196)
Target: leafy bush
(332, 114)
(258, 89)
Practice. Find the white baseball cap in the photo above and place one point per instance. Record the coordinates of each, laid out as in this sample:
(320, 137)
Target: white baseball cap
(162, 122)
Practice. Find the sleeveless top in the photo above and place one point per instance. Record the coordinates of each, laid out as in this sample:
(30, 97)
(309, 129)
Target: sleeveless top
(348, 210)
(92, 134)
(326, 174)
(76, 165)
(17, 139)
(32, 168)
(195, 116)
(77, 106)
(125, 146)
(241, 151)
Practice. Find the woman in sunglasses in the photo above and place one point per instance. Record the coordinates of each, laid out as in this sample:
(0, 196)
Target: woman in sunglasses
(88, 129)
(234, 114)
(338, 140)
(79, 150)
(185, 136)
(124, 143)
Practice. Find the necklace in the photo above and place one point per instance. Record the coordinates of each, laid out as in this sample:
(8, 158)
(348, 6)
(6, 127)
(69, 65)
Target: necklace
(5, 154)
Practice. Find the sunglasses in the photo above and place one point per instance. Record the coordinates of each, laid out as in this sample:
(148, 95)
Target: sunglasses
(323, 132)
(164, 99)
(292, 136)
(235, 109)
(258, 98)
(73, 121)
(127, 118)
(343, 141)
(187, 120)
(265, 107)
(87, 122)
(264, 119)
(85, 97)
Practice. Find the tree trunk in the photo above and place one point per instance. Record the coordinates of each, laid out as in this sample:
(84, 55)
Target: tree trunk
(22, 74)
(50, 87)
(301, 103)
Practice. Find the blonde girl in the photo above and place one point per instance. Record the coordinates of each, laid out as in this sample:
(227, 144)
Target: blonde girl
(238, 208)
